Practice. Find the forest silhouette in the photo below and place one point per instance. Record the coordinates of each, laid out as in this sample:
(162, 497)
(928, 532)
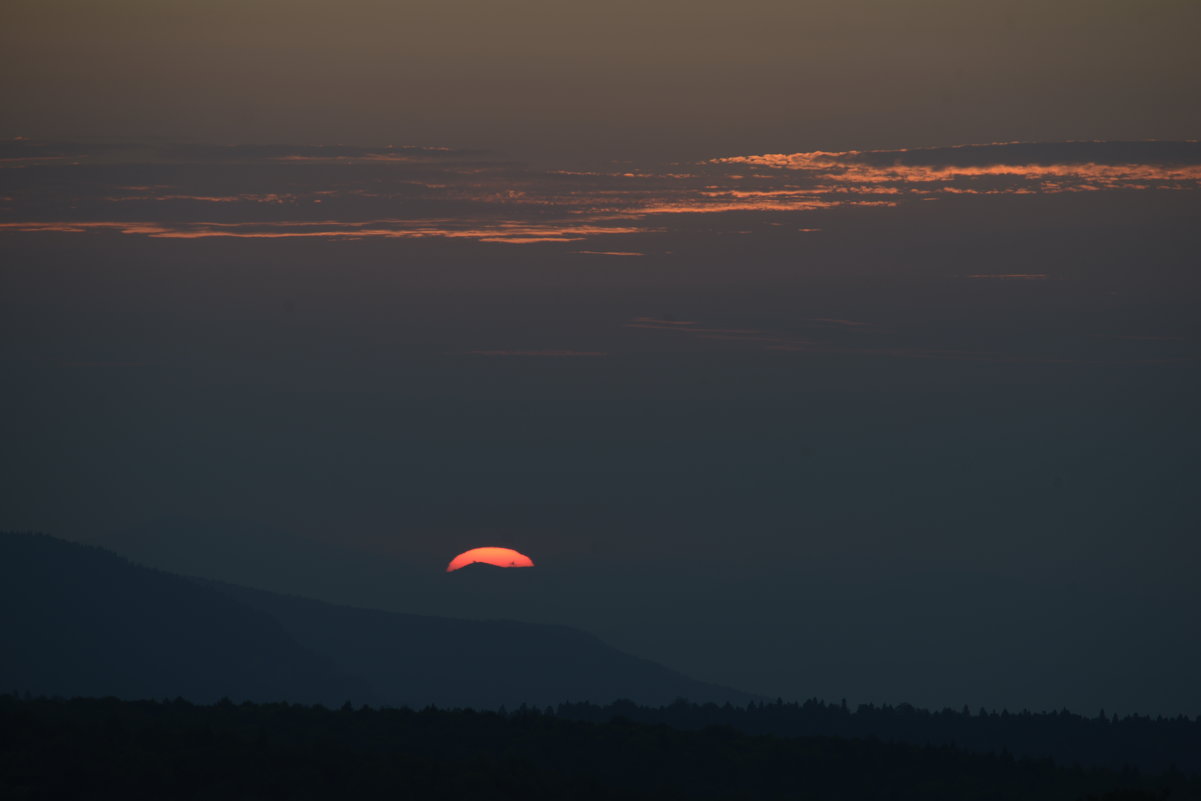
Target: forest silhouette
(107, 748)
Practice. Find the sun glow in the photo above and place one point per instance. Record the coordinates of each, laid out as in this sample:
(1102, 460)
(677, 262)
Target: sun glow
(500, 557)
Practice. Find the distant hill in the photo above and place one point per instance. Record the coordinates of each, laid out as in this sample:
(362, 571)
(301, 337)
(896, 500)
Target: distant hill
(413, 659)
(82, 621)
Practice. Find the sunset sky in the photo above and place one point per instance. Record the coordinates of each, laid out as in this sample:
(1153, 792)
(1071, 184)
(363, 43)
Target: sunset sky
(541, 79)
(836, 349)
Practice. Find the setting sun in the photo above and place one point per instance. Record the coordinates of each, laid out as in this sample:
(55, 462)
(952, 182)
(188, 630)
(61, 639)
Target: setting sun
(500, 557)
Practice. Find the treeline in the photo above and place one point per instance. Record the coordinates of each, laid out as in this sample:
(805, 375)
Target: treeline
(110, 749)
(1150, 744)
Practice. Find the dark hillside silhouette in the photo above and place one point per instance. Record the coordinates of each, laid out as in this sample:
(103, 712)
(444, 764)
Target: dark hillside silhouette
(83, 621)
(1138, 741)
(107, 748)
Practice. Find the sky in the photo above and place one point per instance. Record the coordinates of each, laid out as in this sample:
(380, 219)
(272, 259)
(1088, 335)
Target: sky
(818, 349)
(554, 81)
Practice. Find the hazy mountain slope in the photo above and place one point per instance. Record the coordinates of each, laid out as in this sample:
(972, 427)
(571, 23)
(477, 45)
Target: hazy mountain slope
(414, 660)
(83, 621)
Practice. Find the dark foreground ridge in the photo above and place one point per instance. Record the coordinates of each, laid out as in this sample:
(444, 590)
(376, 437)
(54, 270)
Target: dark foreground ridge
(1105, 741)
(82, 621)
(107, 748)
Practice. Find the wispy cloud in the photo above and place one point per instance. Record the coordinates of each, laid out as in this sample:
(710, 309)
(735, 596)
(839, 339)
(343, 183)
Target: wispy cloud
(510, 232)
(1010, 276)
(866, 341)
(402, 192)
(837, 322)
(1023, 167)
(741, 335)
(552, 353)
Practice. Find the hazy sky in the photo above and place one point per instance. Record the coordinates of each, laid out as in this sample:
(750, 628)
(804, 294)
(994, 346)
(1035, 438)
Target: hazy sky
(911, 425)
(312, 296)
(539, 78)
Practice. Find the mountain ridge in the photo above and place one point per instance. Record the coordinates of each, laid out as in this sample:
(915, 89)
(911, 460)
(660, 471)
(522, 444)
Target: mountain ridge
(87, 621)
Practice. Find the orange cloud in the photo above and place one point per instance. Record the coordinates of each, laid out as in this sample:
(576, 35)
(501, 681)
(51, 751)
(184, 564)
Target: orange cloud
(506, 203)
(503, 232)
(855, 167)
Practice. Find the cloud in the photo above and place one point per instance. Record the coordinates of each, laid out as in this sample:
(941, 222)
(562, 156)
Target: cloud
(506, 232)
(834, 321)
(867, 341)
(656, 322)
(20, 150)
(538, 353)
(412, 192)
(1049, 167)
(740, 335)
(1045, 153)
(1010, 276)
(238, 153)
